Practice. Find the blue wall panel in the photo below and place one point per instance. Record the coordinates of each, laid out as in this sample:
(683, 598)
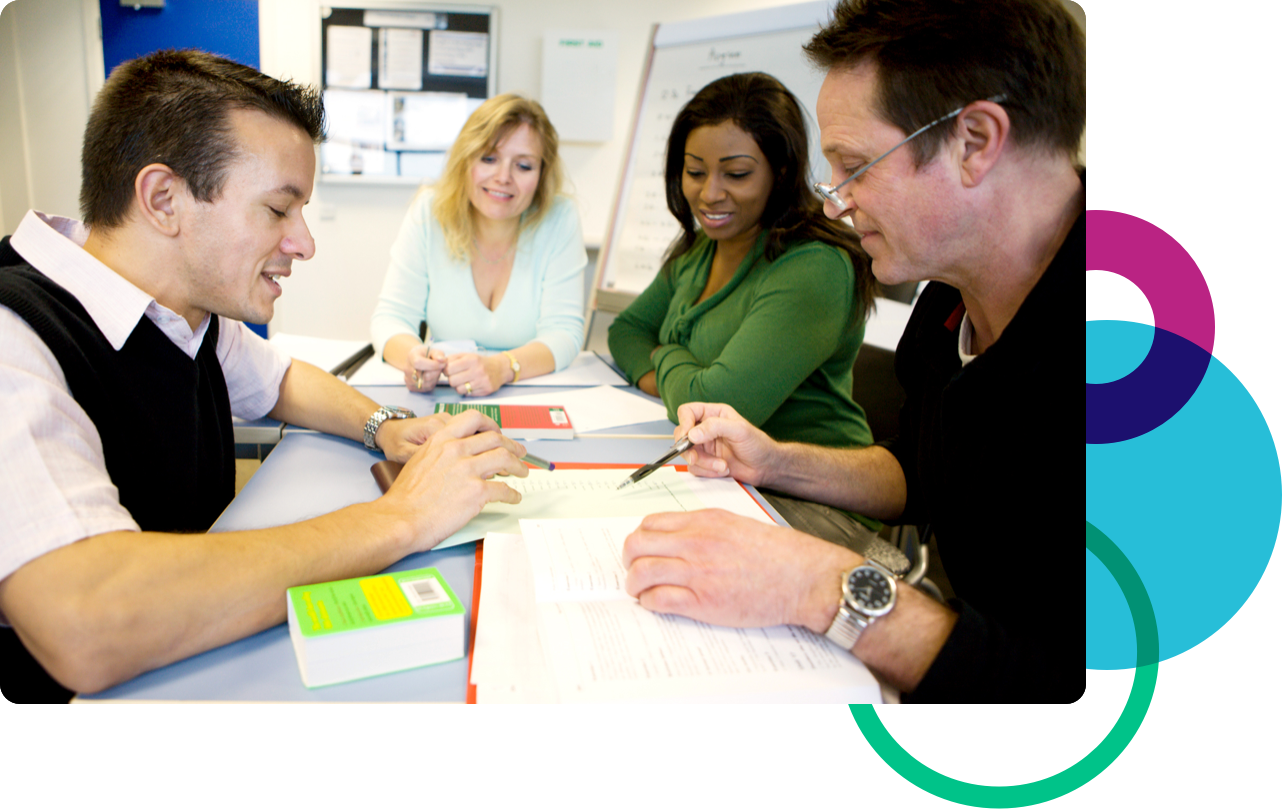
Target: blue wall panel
(226, 27)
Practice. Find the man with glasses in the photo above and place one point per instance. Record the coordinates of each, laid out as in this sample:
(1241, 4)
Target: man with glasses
(953, 130)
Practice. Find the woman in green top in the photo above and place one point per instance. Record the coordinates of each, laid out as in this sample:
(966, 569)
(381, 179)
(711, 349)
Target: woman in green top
(763, 308)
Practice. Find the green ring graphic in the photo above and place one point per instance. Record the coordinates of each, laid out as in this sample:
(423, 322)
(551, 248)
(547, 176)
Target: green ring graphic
(1091, 765)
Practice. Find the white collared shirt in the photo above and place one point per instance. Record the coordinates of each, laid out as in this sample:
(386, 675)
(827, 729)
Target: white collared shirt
(965, 338)
(54, 486)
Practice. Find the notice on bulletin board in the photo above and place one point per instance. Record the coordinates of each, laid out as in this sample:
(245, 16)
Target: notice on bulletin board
(458, 53)
(347, 56)
(579, 70)
(400, 51)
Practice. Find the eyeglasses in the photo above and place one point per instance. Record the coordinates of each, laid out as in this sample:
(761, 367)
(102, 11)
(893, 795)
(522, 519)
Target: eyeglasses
(829, 192)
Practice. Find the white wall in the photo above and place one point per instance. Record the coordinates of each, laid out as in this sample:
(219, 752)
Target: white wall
(50, 66)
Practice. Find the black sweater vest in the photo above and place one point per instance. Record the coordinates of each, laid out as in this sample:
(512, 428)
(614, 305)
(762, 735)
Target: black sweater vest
(164, 419)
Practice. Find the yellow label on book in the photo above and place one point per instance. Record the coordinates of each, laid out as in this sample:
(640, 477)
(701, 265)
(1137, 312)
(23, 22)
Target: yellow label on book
(385, 598)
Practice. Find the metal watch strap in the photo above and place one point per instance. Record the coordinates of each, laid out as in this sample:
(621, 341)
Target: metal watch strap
(846, 627)
(849, 624)
(380, 416)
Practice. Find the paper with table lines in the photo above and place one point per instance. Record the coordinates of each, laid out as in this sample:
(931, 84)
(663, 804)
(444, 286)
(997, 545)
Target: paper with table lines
(581, 494)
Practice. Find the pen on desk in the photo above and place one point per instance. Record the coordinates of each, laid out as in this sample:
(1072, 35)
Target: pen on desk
(348, 367)
(535, 461)
(677, 449)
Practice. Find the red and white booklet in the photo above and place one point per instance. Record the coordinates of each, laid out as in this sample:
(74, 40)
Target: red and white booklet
(520, 421)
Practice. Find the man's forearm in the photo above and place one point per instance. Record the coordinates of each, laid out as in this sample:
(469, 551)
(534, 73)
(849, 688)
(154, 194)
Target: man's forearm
(102, 610)
(315, 399)
(867, 480)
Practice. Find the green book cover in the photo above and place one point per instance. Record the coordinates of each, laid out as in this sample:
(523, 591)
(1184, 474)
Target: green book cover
(456, 408)
(354, 604)
(358, 628)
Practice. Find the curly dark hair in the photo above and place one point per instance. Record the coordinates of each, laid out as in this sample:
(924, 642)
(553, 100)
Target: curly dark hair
(171, 107)
(761, 106)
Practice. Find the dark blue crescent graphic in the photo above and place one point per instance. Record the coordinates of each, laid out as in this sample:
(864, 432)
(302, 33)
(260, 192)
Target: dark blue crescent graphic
(1148, 396)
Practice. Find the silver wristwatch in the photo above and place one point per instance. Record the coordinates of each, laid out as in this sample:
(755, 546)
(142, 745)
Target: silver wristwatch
(380, 416)
(868, 592)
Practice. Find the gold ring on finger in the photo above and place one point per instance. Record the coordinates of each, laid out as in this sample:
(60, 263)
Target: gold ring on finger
(467, 390)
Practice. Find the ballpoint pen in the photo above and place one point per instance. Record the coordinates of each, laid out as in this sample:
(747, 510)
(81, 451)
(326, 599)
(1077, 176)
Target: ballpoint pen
(535, 461)
(677, 449)
(418, 379)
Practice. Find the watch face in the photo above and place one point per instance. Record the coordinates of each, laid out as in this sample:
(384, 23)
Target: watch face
(870, 589)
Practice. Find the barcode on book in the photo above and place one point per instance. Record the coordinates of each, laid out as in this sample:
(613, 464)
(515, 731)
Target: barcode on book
(558, 416)
(424, 592)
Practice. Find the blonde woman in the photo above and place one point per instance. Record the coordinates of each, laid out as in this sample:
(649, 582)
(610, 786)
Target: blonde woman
(493, 253)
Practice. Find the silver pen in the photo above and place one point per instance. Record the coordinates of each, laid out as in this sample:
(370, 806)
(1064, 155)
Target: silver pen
(677, 449)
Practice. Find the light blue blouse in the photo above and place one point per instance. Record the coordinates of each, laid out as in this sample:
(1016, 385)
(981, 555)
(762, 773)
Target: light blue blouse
(543, 300)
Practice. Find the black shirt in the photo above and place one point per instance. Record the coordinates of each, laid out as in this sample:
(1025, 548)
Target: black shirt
(994, 460)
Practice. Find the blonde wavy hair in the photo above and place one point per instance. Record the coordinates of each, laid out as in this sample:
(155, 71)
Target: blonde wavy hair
(490, 123)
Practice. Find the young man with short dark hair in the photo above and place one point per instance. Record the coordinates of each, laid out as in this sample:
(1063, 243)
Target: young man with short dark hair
(122, 361)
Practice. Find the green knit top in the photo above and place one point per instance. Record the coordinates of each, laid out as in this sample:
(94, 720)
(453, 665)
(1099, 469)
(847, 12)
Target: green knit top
(776, 343)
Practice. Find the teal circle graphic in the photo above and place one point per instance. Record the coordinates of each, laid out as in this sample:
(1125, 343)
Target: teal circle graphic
(1108, 360)
(1144, 624)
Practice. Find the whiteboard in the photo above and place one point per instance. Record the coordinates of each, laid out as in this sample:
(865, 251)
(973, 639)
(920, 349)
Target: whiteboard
(684, 57)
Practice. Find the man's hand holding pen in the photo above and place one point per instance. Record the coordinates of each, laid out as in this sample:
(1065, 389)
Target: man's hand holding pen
(725, 444)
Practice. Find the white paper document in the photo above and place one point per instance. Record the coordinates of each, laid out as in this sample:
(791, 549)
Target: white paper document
(324, 353)
(380, 18)
(453, 347)
(593, 643)
(458, 53)
(565, 493)
(886, 324)
(340, 158)
(587, 369)
(616, 650)
(575, 560)
(400, 53)
(601, 645)
(507, 659)
(425, 121)
(355, 117)
(348, 49)
(376, 372)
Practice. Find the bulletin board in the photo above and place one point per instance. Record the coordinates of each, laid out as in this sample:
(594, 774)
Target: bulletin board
(683, 58)
(399, 79)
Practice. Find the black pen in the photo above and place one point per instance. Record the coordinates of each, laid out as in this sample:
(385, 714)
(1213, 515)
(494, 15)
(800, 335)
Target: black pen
(677, 449)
